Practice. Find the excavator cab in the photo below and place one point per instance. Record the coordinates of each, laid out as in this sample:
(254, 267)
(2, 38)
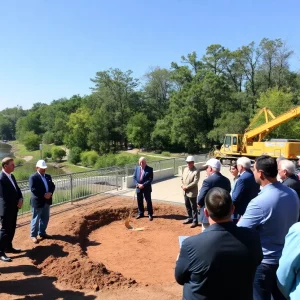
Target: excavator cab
(232, 143)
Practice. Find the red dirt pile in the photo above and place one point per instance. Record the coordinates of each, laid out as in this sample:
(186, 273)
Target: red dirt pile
(66, 259)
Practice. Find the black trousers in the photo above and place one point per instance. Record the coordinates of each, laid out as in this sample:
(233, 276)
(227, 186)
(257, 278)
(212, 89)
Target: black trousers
(191, 208)
(7, 232)
(140, 200)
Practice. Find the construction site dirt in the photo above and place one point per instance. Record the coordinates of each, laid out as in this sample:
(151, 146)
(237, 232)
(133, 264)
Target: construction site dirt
(92, 255)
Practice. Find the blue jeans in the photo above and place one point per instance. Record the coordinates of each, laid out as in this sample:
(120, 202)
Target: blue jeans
(265, 283)
(39, 221)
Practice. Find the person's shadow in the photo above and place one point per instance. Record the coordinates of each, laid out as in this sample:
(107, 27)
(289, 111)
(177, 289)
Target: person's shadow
(36, 287)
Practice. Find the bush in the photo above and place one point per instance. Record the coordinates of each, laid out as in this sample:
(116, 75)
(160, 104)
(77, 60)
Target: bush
(89, 158)
(31, 141)
(58, 153)
(106, 160)
(48, 138)
(109, 160)
(47, 154)
(74, 155)
(166, 153)
(18, 161)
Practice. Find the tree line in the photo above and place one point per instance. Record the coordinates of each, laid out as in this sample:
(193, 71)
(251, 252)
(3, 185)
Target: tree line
(187, 107)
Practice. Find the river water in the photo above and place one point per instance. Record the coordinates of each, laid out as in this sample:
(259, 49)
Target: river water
(5, 150)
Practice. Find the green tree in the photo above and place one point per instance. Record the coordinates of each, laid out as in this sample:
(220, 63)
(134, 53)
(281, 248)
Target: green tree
(78, 130)
(138, 130)
(279, 102)
(31, 141)
(58, 153)
(74, 155)
(229, 122)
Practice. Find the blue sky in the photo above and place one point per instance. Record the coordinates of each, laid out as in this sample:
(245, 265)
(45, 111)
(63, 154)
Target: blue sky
(50, 49)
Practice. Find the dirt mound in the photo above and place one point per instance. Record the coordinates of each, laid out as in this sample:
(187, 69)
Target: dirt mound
(66, 259)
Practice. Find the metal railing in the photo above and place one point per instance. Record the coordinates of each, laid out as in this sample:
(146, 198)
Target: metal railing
(76, 186)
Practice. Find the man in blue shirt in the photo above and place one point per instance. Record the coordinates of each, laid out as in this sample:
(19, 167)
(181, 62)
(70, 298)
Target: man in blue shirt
(288, 273)
(271, 213)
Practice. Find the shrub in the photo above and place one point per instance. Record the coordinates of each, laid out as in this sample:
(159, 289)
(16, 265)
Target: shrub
(106, 160)
(47, 154)
(31, 141)
(48, 138)
(18, 161)
(89, 158)
(166, 153)
(74, 155)
(58, 153)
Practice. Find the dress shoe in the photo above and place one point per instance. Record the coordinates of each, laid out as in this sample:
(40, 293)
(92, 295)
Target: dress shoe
(5, 258)
(194, 225)
(13, 250)
(46, 236)
(187, 221)
(150, 218)
(34, 240)
(139, 217)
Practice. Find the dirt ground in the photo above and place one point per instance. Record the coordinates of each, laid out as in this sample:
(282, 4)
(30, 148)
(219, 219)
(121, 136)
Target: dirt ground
(93, 256)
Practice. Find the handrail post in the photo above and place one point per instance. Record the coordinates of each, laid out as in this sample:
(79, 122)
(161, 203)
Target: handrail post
(71, 187)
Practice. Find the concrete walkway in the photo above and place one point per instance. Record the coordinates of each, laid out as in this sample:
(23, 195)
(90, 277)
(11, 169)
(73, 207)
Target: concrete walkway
(169, 189)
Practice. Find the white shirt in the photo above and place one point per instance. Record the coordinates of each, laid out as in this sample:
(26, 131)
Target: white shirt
(9, 177)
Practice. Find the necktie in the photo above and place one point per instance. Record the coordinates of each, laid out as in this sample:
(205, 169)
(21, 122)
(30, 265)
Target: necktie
(141, 175)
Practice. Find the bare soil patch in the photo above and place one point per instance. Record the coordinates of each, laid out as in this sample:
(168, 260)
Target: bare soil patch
(147, 256)
(93, 255)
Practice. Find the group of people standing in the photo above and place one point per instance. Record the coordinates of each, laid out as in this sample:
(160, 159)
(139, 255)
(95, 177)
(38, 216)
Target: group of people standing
(11, 200)
(246, 250)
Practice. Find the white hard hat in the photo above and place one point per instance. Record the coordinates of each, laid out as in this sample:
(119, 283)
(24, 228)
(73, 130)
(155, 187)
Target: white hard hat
(214, 163)
(41, 164)
(190, 158)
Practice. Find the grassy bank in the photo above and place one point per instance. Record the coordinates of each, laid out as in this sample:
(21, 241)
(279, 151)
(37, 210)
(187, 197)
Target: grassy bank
(25, 161)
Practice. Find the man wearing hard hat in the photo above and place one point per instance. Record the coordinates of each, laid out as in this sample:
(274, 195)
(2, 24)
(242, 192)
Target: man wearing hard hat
(42, 189)
(190, 178)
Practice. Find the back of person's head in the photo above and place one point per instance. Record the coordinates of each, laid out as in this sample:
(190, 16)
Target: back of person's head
(280, 158)
(245, 162)
(288, 166)
(218, 204)
(267, 165)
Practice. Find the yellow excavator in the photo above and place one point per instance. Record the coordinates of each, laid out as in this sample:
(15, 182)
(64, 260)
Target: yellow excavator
(252, 143)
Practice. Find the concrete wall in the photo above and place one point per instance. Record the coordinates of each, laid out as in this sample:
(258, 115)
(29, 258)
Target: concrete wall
(157, 175)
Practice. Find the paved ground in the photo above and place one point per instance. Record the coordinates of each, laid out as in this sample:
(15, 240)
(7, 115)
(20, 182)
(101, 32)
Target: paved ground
(169, 190)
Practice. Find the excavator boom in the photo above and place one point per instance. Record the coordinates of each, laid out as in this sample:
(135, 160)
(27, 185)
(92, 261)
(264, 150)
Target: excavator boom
(261, 131)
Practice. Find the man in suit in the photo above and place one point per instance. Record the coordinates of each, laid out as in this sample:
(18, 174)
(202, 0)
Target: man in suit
(190, 178)
(42, 189)
(245, 189)
(143, 177)
(286, 173)
(11, 200)
(219, 263)
(214, 179)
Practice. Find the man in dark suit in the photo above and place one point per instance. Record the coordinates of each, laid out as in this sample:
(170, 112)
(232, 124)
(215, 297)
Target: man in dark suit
(214, 179)
(245, 188)
(143, 176)
(11, 200)
(42, 189)
(287, 174)
(219, 263)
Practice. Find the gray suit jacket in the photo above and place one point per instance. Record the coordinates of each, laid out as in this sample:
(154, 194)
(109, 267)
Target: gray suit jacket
(190, 180)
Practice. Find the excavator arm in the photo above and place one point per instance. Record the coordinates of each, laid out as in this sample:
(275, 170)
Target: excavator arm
(261, 131)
